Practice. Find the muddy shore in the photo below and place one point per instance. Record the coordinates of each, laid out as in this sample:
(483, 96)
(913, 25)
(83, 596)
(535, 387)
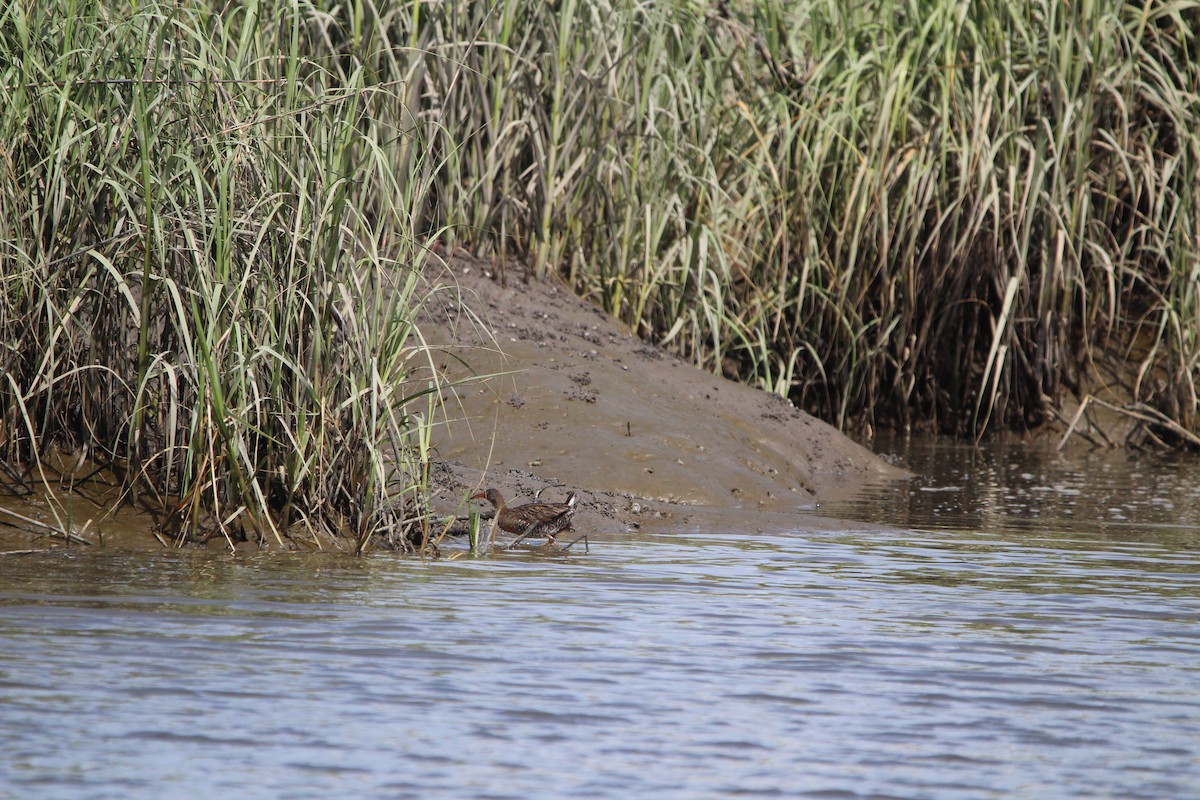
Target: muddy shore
(556, 396)
(551, 396)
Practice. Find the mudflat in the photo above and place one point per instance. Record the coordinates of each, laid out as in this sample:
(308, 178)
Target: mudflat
(553, 395)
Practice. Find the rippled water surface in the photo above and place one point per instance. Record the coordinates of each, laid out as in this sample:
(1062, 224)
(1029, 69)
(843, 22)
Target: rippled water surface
(1031, 630)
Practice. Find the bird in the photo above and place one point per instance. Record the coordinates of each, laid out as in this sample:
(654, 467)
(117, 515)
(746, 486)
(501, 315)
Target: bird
(531, 519)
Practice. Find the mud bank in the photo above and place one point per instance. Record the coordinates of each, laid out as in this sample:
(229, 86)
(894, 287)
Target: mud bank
(552, 396)
(556, 396)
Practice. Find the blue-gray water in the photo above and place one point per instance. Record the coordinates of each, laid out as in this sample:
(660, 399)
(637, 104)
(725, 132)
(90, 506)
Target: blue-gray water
(1031, 632)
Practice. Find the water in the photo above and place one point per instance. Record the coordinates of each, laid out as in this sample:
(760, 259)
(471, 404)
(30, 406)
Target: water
(1031, 632)
(1021, 489)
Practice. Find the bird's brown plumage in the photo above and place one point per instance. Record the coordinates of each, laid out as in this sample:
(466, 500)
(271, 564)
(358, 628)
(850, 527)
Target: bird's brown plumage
(547, 519)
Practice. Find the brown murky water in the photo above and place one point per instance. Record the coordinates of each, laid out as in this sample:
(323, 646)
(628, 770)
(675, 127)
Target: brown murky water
(1030, 629)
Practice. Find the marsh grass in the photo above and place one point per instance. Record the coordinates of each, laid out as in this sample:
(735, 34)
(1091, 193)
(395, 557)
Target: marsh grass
(211, 271)
(213, 219)
(942, 213)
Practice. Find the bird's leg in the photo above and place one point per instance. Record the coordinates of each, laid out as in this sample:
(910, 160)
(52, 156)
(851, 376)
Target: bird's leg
(523, 536)
(582, 536)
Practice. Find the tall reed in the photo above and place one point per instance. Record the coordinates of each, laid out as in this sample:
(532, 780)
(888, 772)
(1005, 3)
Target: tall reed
(210, 265)
(943, 212)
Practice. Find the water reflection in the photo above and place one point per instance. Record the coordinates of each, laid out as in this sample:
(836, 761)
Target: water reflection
(1033, 488)
(977, 652)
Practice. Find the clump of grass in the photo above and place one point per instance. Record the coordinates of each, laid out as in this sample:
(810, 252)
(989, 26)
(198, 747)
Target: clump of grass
(210, 267)
(948, 214)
